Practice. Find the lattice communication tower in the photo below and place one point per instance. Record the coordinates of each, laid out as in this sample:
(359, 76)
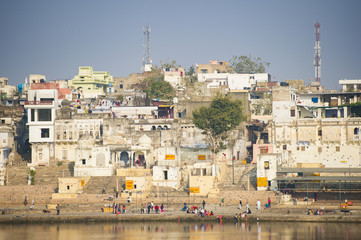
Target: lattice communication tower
(147, 61)
(317, 61)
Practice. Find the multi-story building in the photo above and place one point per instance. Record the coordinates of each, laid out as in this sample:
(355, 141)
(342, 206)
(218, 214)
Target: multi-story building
(41, 107)
(311, 133)
(350, 85)
(214, 67)
(234, 81)
(91, 84)
(174, 76)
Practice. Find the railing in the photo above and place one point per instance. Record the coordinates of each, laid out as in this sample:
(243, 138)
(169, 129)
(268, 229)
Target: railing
(38, 102)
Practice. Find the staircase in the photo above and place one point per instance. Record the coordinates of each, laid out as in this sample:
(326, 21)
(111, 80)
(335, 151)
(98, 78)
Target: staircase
(15, 195)
(18, 175)
(241, 174)
(49, 175)
(96, 184)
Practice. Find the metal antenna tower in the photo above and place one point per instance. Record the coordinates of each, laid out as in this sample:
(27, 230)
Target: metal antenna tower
(147, 61)
(317, 61)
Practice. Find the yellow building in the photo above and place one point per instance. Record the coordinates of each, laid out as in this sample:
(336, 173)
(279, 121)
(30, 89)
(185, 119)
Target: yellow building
(91, 84)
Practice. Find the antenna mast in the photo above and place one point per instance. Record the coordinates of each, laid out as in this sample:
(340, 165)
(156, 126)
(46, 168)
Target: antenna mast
(317, 61)
(147, 61)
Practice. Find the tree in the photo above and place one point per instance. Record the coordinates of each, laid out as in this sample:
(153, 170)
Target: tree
(166, 64)
(247, 64)
(155, 86)
(160, 90)
(217, 120)
(191, 71)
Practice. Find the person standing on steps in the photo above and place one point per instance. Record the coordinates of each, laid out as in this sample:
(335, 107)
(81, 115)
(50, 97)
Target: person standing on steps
(240, 204)
(258, 204)
(57, 209)
(204, 204)
(269, 202)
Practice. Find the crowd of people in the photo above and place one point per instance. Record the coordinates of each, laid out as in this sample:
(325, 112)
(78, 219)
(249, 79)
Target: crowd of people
(201, 211)
(152, 208)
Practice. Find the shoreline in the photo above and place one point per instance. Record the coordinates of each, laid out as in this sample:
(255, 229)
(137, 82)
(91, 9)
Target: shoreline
(169, 217)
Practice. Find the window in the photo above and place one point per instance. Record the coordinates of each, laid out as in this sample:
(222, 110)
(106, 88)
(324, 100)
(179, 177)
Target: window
(293, 113)
(165, 175)
(320, 133)
(266, 164)
(356, 131)
(83, 161)
(45, 133)
(32, 114)
(68, 187)
(284, 147)
(263, 150)
(65, 154)
(303, 148)
(204, 172)
(315, 100)
(204, 70)
(121, 86)
(337, 148)
(44, 114)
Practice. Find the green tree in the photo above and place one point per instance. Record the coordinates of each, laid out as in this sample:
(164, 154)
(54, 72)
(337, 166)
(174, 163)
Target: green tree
(155, 86)
(191, 71)
(160, 90)
(217, 120)
(247, 64)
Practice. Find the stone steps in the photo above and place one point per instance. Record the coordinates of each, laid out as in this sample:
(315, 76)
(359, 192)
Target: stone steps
(18, 175)
(96, 184)
(233, 197)
(15, 195)
(241, 173)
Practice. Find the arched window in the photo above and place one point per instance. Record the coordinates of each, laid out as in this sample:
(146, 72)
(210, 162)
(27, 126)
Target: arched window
(154, 128)
(355, 131)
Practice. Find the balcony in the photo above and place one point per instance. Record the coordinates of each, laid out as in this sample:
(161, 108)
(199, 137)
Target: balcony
(38, 102)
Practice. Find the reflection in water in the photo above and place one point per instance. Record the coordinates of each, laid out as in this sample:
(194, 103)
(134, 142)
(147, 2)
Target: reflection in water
(208, 231)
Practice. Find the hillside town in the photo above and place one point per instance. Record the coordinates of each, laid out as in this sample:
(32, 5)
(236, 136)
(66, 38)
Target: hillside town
(100, 134)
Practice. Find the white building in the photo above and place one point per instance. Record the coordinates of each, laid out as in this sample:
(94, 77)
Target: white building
(68, 132)
(350, 85)
(174, 76)
(314, 131)
(92, 160)
(41, 107)
(235, 81)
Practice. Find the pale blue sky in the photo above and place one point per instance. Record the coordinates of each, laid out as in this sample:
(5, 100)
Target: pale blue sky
(56, 37)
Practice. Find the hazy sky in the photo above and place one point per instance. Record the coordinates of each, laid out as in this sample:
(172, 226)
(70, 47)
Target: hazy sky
(56, 37)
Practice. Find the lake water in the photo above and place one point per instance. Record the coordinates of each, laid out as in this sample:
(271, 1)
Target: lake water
(199, 231)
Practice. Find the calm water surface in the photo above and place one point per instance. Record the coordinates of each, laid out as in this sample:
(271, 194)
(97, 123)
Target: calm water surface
(207, 231)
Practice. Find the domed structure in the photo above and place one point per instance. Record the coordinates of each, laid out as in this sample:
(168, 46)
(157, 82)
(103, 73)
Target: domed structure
(65, 103)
